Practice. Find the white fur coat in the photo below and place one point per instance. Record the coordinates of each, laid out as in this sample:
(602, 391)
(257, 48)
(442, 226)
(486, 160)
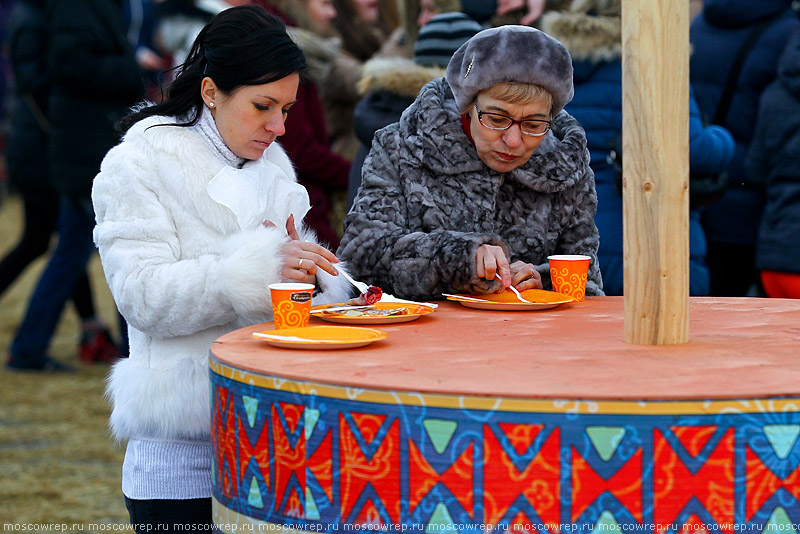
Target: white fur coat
(182, 273)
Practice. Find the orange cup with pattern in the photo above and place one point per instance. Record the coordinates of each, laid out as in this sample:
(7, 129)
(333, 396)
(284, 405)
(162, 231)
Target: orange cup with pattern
(569, 272)
(291, 304)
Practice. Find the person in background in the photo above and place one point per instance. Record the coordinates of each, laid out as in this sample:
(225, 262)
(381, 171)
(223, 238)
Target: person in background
(717, 36)
(695, 8)
(483, 177)
(591, 30)
(29, 173)
(390, 85)
(195, 219)
(95, 78)
(364, 27)
(322, 171)
(774, 160)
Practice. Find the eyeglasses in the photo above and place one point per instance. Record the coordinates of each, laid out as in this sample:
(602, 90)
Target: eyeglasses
(496, 121)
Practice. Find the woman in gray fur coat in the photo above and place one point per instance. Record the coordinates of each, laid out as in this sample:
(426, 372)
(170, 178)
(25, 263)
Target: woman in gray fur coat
(483, 177)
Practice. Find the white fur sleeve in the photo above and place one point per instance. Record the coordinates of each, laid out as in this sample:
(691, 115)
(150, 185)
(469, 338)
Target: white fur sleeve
(159, 287)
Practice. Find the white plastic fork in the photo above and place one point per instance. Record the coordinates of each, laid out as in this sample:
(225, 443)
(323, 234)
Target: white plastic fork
(386, 297)
(515, 290)
(361, 286)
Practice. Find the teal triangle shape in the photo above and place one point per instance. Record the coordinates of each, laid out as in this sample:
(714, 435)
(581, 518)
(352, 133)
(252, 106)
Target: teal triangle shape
(440, 520)
(251, 407)
(779, 521)
(312, 512)
(606, 523)
(254, 497)
(605, 439)
(311, 418)
(441, 432)
(782, 438)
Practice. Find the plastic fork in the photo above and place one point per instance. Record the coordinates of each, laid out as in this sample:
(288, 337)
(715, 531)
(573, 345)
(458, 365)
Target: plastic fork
(361, 286)
(515, 290)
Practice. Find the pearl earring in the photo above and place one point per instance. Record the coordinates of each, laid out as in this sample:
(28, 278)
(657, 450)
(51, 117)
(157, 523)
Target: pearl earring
(211, 104)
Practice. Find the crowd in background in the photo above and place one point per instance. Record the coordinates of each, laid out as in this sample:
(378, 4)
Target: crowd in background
(368, 60)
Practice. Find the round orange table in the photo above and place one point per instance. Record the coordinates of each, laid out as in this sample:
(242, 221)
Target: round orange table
(475, 420)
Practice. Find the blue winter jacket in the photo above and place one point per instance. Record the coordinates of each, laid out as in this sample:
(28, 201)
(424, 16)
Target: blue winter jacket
(774, 160)
(598, 107)
(716, 36)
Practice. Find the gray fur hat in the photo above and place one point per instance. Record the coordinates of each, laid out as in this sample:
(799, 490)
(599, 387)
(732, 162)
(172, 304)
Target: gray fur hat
(511, 54)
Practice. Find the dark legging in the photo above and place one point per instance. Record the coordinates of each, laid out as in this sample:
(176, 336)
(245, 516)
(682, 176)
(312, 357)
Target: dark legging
(190, 515)
(40, 216)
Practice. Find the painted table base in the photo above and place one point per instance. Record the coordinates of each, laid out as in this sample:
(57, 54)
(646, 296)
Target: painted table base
(346, 454)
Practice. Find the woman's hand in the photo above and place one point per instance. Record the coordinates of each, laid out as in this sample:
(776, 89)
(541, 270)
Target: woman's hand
(525, 276)
(491, 262)
(302, 259)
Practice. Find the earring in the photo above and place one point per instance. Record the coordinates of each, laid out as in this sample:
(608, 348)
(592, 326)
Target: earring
(211, 104)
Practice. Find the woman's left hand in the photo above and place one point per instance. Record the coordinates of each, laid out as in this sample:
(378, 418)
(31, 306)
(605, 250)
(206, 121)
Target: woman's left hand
(525, 276)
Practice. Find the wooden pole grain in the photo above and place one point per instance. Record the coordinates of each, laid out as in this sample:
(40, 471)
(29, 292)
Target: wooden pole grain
(655, 84)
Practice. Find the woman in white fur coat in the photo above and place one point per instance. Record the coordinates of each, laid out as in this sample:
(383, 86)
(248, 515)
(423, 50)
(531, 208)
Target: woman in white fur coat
(195, 218)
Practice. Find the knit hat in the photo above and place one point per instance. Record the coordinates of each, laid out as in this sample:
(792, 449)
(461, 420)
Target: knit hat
(511, 54)
(441, 36)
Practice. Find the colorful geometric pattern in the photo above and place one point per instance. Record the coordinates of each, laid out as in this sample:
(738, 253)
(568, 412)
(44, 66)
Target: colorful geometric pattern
(319, 457)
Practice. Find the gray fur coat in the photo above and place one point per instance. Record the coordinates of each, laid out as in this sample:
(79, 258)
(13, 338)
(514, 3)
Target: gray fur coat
(427, 202)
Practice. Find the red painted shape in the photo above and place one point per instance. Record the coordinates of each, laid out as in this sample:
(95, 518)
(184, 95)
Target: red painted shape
(538, 482)
(369, 424)
(292, 413)
(225, 434)
(674, 485)
(320, 465)
(260, 451)
(625, 485)
(369, 515)
(287, 459)
(693, 438)
(520, 436)
(382, 471)
(761, 483)
(294, 506)
(694, 525)
(521, 524)
(458, 478)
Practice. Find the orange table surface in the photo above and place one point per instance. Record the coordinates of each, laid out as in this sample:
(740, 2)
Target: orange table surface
(739, 348)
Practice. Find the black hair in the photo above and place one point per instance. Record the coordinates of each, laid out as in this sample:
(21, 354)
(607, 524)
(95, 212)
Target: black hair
(240, 46)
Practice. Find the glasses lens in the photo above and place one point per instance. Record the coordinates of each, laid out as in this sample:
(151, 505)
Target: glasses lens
(535, 127)
(496, 122)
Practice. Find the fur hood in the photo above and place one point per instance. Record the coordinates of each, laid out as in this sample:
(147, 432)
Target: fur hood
(397, 75)
(591, 30)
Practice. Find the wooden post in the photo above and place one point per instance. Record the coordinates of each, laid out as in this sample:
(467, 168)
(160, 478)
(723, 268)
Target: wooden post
(655, 126)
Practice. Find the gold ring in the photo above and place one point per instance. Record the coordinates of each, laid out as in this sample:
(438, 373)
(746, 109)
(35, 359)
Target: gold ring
(300, 265)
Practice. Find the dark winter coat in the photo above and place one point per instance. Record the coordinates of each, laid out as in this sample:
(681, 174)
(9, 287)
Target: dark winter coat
(26, 152)
(318, 168)
(774, 160)
(595, 46)
(427, 202)
(390, 86)
(716, 36)
(95, 80)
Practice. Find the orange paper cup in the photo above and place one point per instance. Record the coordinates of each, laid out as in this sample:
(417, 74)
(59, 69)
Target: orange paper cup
(568, 273)
(291, 304)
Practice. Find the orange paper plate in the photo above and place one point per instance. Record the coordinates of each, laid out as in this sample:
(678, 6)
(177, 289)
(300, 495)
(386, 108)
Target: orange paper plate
(507, 300)
(321, 337)
(411, 312)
